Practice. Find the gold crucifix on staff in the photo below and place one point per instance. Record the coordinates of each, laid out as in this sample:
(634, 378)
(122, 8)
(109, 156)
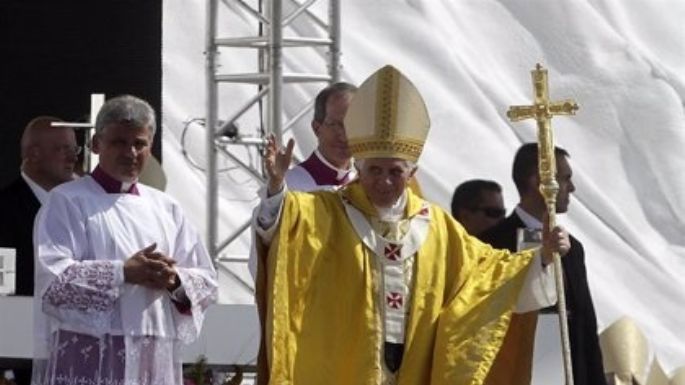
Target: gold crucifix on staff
(542, 111)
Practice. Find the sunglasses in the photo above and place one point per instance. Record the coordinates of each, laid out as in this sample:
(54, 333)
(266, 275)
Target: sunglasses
(491, 212)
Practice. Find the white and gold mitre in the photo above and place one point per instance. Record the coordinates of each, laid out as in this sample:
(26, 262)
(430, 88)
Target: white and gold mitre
(387, 118)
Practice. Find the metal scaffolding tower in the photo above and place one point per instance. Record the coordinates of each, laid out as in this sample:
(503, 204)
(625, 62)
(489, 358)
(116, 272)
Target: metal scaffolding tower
(269, 77)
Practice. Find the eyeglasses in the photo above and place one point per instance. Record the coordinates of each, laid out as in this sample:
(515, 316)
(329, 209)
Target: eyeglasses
(69, 150)
(334, 124)
(491, 212)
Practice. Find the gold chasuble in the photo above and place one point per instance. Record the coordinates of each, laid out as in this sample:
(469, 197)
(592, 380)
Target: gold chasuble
(320, 298)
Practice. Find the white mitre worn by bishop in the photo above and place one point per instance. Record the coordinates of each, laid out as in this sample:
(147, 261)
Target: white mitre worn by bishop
(351, 293)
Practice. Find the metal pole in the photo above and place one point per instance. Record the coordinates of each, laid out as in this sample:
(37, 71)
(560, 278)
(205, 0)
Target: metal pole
(269, 78)
(334, 35)
(210, 126)
(233, 237)
(302, 8)
(275, 69)
(254, 173)
(244, 109)
(312, 16)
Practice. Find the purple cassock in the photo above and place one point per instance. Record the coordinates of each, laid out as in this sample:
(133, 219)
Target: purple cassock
(316, 173)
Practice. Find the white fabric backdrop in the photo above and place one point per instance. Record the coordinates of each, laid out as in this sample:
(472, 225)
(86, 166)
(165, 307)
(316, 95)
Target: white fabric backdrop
(623, 62)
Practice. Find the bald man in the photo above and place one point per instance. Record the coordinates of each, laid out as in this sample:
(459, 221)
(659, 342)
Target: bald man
(48, 158)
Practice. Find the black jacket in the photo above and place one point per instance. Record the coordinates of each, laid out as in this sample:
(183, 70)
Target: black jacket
(582, 322)
(18, 208)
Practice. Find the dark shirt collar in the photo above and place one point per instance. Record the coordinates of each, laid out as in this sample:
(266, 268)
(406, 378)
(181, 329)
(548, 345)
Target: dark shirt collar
(111, 185)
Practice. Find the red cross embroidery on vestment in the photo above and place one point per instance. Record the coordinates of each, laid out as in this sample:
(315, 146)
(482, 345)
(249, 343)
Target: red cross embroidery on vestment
(394, 300)
(392, 251)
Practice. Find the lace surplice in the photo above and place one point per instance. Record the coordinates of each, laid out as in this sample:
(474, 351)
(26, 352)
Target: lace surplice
(94, 328)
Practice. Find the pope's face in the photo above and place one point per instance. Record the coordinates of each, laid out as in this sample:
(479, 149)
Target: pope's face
(384, 179)
(123, 150)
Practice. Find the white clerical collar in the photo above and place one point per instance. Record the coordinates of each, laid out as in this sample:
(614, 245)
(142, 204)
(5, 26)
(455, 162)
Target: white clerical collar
(40, 193)
(340, 173)
(530, 221)
(126, 186)
(395, 212)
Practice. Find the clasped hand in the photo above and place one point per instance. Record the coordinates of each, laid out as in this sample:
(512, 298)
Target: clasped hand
(152, 269)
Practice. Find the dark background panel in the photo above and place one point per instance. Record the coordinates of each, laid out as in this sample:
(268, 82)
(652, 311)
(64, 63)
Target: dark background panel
(55, 53)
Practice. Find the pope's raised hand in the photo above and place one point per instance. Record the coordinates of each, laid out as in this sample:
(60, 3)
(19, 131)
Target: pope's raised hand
(276, 162)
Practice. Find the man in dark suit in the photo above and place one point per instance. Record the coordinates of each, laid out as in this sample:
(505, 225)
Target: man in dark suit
(513, 364)
(48, 158)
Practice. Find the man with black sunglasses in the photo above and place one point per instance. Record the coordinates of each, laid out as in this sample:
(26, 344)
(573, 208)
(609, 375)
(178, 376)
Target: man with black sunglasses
(513, 364)
(478, 205)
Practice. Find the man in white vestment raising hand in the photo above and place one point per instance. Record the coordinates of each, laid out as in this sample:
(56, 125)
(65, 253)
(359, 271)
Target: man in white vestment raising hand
(122, 278)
